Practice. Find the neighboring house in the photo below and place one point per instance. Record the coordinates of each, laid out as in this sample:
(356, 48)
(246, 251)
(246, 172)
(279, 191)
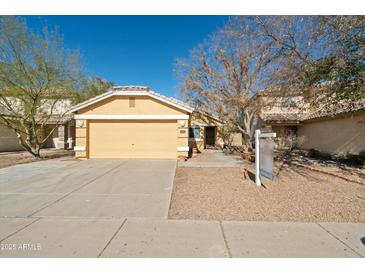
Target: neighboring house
(235, 139)
(63, 137)
(136, 122)
(335, 131)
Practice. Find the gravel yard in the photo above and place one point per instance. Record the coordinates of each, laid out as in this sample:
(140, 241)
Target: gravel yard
(206, 156)
(337, 168)
(22, 157)
(296, 194)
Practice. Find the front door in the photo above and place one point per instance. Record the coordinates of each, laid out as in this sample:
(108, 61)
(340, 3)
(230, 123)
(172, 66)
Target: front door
(209, 137)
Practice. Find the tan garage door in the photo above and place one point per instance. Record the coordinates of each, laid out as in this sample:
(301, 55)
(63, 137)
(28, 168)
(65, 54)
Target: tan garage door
(133, 139)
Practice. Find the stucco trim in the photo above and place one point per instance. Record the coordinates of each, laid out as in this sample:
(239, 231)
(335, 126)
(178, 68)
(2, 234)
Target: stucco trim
(183, 149)
(79, 148)
(130, 117)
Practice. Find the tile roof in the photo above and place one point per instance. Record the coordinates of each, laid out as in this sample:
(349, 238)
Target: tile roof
(338, 109)
(148, 90)
(301, 117)
(56, 119)
(119, 90)
(282, 117)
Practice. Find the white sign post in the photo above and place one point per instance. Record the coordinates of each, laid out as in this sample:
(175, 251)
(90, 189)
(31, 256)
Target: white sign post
(257, 157)
(258, 136)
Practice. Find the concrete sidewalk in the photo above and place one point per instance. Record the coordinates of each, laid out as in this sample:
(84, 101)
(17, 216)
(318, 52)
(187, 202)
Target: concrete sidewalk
(145, 237)
(212, 158)
(119, 208)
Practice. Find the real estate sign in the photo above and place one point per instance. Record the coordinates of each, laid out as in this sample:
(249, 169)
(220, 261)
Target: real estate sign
(267, 158)
(264, 155)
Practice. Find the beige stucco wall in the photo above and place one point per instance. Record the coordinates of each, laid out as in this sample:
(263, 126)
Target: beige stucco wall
(198, 143)
(336, 136)
(119, 104)
(53, 139)
(236, 139)
(81, 138)
(182, 137)
(219, 139)
(115, 136)
(202, 121)
(144, 105)
(8, 140)
(285, 141)
(281, 140)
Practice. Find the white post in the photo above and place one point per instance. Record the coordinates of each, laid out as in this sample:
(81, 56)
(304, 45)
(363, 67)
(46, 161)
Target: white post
(257, 156)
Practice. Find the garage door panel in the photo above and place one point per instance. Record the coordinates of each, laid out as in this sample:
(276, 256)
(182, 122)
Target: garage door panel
(133, 139)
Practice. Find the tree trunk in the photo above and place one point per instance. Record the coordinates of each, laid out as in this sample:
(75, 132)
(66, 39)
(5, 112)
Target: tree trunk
(34, 150)
(246, 128)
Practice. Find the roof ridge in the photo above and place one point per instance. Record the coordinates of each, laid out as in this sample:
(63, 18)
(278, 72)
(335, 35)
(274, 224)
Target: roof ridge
(120, 89)
(91, 99)
(131, 88)
(172, 99)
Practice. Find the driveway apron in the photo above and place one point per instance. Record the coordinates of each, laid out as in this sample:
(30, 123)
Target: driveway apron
(93, 188)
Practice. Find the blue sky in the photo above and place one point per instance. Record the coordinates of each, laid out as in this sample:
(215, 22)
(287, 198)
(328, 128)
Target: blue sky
(132, 50)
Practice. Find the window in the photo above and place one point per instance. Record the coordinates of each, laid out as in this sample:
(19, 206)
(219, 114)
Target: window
(288, 103)
(194, 133)
(291, 131)
(132, 102)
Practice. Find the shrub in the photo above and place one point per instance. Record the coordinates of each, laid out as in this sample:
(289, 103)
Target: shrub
(316, 154)
(326, 156)
(350, 159)
(356, 159)
(362, 154)
(313, 153)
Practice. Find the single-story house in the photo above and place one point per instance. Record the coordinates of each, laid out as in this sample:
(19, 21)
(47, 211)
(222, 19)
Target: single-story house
(136, 122)
(334, 131)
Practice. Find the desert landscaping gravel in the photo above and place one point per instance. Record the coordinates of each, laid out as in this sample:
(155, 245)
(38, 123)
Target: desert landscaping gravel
(22, 157)
(296, 194)
(206, 156)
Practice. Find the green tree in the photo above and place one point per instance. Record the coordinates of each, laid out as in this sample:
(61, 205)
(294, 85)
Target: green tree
(320, 54)
(92, 87)
(37, 76)
(344, 69)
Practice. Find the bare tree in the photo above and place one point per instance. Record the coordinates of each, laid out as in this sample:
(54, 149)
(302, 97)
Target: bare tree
(227, 132)
(36, 75)
(323, 56)
(223, 74)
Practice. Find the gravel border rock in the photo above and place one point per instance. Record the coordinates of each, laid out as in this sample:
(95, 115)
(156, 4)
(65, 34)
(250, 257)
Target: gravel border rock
(297, 194)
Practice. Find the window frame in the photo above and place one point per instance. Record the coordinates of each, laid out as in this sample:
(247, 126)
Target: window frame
(193, 128)
(291, 130)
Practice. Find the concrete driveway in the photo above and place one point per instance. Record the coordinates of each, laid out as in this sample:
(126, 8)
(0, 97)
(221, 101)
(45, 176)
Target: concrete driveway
(118, 208)
(93, 188)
